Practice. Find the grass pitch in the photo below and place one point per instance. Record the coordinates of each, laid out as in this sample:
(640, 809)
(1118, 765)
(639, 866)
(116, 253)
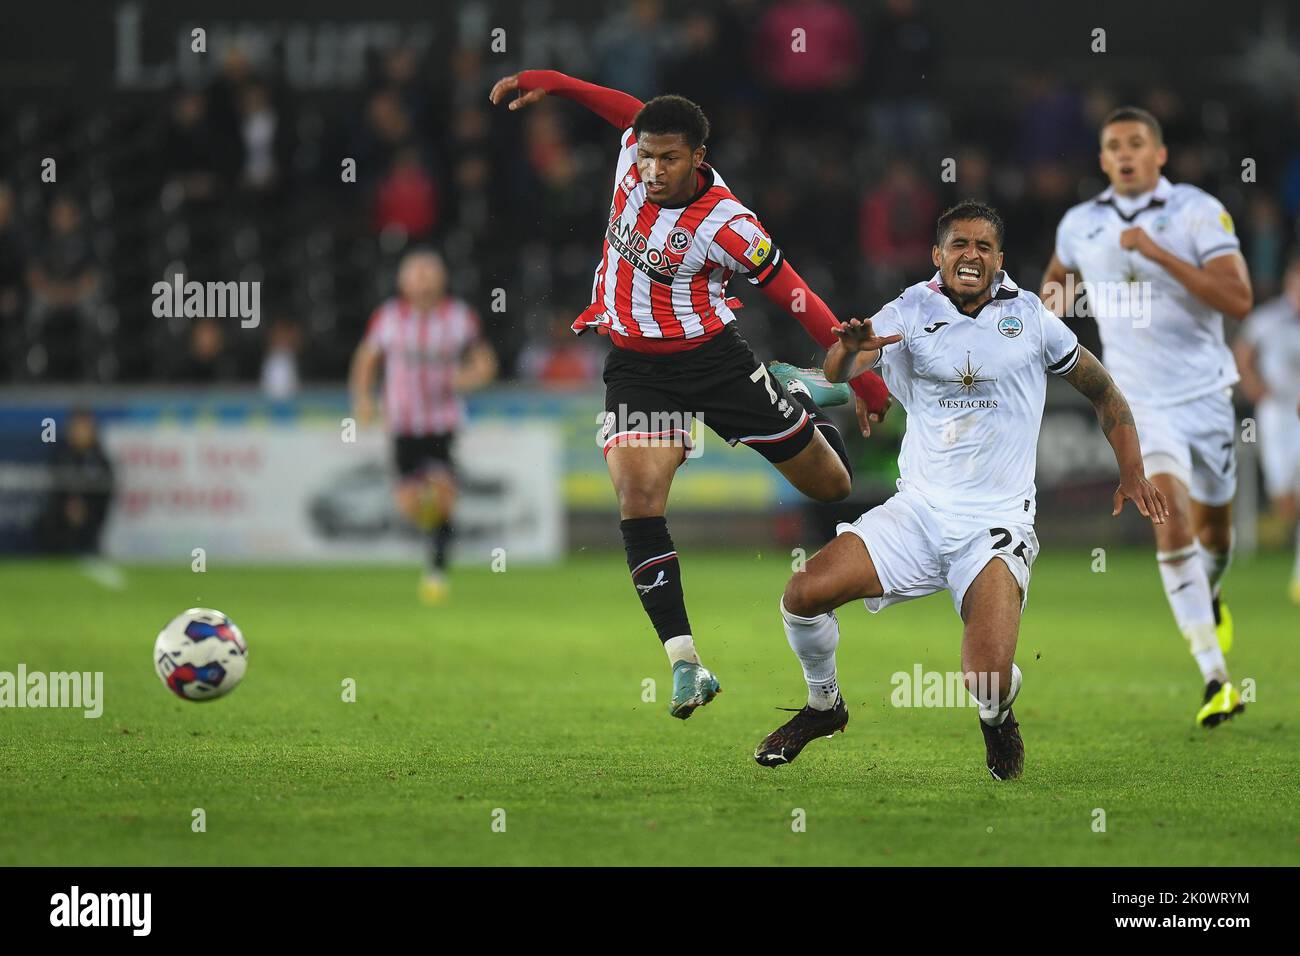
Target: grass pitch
(524, 695)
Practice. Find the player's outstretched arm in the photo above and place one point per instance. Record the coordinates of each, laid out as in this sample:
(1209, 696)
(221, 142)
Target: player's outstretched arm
(616, 108)
(786, 288)
(856, 351)
(1092, 380)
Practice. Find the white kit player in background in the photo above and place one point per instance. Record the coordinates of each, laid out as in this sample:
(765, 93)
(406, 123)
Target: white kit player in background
(1174, 246)
(1268, 357)
(968, 355)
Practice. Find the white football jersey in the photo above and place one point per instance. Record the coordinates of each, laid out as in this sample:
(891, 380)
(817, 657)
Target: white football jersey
(973, 388)
(1274, 331)
(1174, 352)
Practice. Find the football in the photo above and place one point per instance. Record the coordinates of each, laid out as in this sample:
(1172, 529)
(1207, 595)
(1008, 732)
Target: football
(200, 655)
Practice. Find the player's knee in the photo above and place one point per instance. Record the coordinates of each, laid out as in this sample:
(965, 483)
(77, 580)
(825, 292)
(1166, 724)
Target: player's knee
(843, 485)
(832, 485)
(444, 493)
(1176, 532)
(407, 498)
(1216, 538)
(805, 596)
(640, 500)
(840, 485)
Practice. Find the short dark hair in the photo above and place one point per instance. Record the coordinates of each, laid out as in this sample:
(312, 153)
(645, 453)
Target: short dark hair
(673, 114)
(965, 210)
(1134, 114)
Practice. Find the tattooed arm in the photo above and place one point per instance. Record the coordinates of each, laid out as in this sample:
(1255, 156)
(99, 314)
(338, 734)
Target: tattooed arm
(1092, 381)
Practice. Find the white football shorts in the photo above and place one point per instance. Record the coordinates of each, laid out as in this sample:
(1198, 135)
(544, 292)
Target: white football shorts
(918, 550)
(1279, 446)
(1194, 441)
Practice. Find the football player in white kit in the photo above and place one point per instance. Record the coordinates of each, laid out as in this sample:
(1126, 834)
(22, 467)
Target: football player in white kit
(968, 355)
(1161, 267)
(1268, 357)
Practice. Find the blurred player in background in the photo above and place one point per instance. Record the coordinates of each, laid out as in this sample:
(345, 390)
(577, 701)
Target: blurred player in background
(967, 354)
(1176, 242)
(432, 350)
(1268, 356)
(676, 234)
(82, 485)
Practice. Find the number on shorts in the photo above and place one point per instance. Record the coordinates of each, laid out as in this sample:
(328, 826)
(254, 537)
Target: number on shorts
(761, 372)
(1003, 538)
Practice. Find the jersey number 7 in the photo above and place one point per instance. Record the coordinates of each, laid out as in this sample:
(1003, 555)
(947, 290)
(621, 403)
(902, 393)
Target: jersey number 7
(761, 373)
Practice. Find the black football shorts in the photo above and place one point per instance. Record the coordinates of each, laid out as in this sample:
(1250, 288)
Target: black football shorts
(720, 382)
(417, 454)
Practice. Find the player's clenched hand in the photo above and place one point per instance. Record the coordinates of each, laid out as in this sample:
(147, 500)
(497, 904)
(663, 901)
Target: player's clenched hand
(866, 416)
(505, 85)
(857, 335)
(1145, 495)
(1136, 238)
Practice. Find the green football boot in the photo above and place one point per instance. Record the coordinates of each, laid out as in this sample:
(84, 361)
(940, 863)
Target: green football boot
(693, 686)
(812, 382)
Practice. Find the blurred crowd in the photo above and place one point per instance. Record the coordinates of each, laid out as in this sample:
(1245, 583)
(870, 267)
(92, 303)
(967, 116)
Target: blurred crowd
(847, 156)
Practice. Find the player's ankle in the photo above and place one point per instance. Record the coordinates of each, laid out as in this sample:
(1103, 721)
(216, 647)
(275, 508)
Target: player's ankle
(822, 695)
(681, 648)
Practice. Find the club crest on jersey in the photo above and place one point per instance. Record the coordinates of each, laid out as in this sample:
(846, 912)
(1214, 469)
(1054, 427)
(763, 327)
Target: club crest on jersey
(679, 240)
(636, 249)
(1010, 326)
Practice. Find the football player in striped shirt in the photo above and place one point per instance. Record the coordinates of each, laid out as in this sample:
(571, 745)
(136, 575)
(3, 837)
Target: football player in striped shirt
(1161, 267)
(675, 236)
(431, 349)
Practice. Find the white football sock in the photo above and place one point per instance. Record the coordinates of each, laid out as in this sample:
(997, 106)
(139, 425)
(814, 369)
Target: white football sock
(993, 707)
(1187, 587)
(813, 640)
(1216, 563)
(681, 648)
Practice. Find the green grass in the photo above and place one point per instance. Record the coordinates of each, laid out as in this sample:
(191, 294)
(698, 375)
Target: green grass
(525, 694)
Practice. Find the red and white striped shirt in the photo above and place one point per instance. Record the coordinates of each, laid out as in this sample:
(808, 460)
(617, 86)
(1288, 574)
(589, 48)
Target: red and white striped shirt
(661, 283)
(422, 352)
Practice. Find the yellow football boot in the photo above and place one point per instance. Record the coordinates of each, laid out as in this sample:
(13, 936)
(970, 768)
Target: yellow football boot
(1221, 702)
